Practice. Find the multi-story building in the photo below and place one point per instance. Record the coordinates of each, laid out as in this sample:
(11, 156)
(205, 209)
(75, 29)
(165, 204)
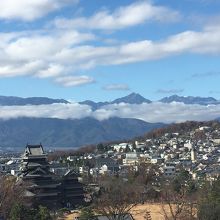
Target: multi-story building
(45, 187)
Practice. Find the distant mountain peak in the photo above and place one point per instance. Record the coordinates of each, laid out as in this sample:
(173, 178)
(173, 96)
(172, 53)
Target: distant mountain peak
(134, 94)
(132, 98)
(190, 100)
(14, 100)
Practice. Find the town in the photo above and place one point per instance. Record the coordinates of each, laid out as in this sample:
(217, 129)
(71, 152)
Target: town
(72, 178)
(109, 110)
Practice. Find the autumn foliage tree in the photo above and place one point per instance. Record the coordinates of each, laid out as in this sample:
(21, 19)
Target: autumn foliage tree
(179, 198)
(117, 198)
(11, 192)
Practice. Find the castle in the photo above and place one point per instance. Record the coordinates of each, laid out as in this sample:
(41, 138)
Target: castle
(45, 187)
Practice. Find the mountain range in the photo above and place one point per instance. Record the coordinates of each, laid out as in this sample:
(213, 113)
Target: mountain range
(13, 100)
(60, 133)
(191, 100)
(133, 98)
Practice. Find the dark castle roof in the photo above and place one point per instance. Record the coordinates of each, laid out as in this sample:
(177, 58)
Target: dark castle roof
(34, 150)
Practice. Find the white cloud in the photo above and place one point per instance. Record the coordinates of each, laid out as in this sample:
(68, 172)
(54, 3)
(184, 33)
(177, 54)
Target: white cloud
(169, 91)
(87, 56)
(42, 44)
(159, 112)
(152, 112)
(51, 71)
(62, 54)
(116, 87)
(26, 53)
(206, 41)
(69, 81)
(29, 10)
(55, 53)
(123, 17)
(62, 111)
(28, 68)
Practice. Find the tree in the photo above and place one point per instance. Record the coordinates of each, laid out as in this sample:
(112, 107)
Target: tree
(134, 146)
(209, 210)
(147, 173)
(117, 198)
(127, 149)
(21, 212)
(100, 147)
(43, 213)
(209, 203)
(87, 214)
(148, 176)
(179, 197)
(11, 192)
(176, 206)
(17, 212)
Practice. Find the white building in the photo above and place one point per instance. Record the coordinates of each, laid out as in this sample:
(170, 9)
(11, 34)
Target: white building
(131, 158)
(193, 155)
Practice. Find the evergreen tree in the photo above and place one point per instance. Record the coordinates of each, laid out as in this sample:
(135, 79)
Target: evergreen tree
(209, 206)
(100, 147)
(20, 212)
(43, 213)
(87, 214)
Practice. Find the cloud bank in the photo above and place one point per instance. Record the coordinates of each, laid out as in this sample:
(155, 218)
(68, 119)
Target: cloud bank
(116, 87)
(29, 10)
(123, 17)
(152, 112)
(70, 48)
(58, 54)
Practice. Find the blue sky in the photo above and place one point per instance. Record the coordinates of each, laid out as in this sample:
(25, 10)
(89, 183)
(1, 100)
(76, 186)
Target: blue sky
(101, 49)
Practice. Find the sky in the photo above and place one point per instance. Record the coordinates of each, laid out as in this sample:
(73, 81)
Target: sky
(101, 50)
